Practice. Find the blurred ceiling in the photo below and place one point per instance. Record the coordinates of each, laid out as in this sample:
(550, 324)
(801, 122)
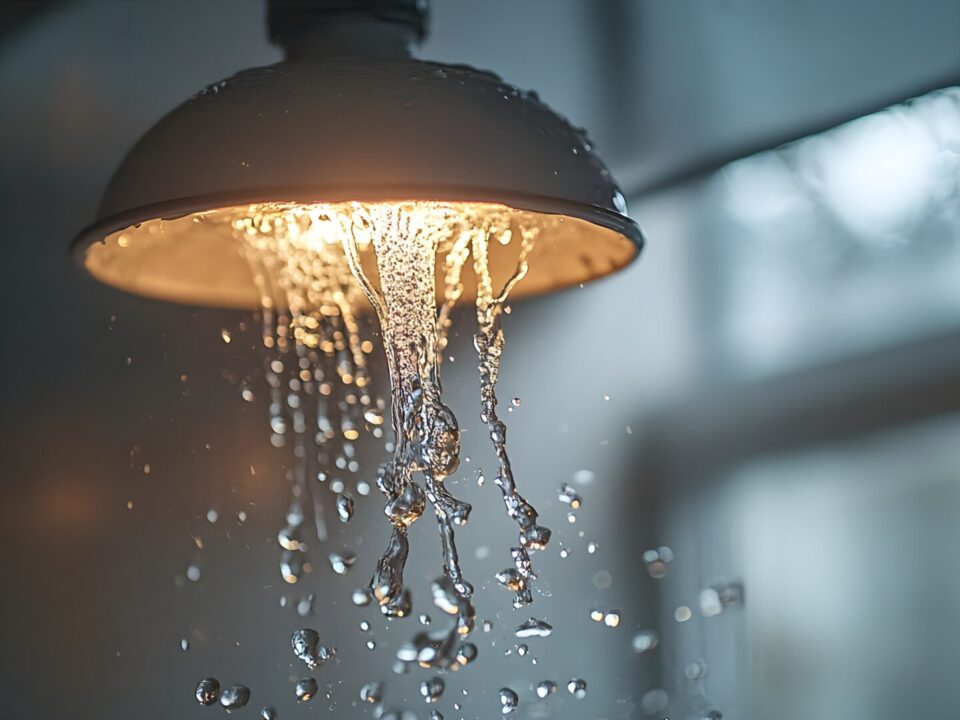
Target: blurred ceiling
(668, 89)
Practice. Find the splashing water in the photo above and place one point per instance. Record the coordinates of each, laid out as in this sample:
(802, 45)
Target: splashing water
(316, 267)
(408, 240)
(315, 360)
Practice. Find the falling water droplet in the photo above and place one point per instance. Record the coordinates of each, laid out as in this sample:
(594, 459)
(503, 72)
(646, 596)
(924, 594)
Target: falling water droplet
(577, 688)
(208, 691)
(656, 561)
(306, 689)
(645, 640)
(305, 605)
(569, 496)
(361, 597)
(508, 701)
(306, 646)
(235, 697)
(432, 689)
(268, 713)
(344, 507)
(372, 693)
(653, 701)
(534, 628)
(546, 688)
(341, 562)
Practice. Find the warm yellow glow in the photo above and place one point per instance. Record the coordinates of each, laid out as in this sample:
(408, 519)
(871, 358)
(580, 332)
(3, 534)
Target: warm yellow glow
(200, 258)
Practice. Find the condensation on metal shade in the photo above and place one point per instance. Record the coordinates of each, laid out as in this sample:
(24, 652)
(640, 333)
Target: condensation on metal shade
(349, 116)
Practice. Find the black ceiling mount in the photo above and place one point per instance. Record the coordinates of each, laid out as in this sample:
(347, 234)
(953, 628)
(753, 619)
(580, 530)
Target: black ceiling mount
(289, 20)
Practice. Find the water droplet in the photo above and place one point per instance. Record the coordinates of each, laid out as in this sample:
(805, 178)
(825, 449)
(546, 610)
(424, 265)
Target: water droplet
(289, 537)
(344, 507)
(268, 713)
(569, 496)
(466, 653)
(225, 336)
(184, 644)
(508, 701)
(193, 572)
(534, 628)
(372, 693)
(306, 689)
(208, 691)
(584, 477)
(564, 552)
(577, 688)
(424, 619)
(292, 566)
(717, 598)
(602, 580)
(235, 697)
(212, 516)
(645, 640)
(305, 605)
(612, 619)
(682, 614)
(696, 670)
(432, 689)
(592, 548)
(654, 701)
(522, 650)
(341, 562)
(619, 202)
(306, 646)
(546, 688)
(656, 561)
(361, 597)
